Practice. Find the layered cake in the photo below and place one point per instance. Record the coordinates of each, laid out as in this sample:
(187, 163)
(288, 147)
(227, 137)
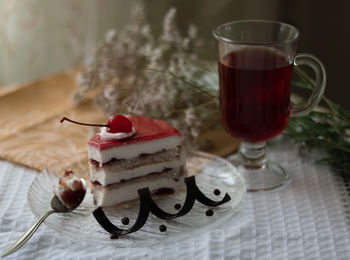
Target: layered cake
(144, 153)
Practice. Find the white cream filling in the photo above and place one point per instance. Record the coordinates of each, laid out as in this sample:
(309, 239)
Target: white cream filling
(70, 182)
(110, 196)
(113, 136)
(133, 150)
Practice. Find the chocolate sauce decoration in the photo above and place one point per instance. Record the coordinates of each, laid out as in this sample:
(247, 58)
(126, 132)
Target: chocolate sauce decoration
(162, 228)
(188, 205)
(202, 198)
(217, 192)
(125, 221)
(177, 206)
(114, 236)
(140, 221)
(147, 205)
(209, 213)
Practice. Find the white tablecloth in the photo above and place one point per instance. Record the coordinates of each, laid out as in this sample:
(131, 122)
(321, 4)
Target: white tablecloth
(309, 219)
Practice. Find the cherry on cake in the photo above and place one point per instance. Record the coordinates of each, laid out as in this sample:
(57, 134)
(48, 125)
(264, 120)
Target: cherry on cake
(140, 152)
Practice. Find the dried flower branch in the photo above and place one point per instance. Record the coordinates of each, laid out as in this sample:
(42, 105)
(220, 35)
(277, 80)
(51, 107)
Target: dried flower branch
(135, 72)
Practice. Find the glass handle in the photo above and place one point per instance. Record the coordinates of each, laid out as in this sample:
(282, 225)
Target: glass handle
(320, 83)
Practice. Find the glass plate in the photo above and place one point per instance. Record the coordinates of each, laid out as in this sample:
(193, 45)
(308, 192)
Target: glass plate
(211, 172)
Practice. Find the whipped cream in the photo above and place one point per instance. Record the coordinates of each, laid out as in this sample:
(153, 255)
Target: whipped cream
(73, 185)
(104, 134)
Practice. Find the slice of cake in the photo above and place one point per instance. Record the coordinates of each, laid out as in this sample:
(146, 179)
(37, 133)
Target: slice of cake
(149, 154)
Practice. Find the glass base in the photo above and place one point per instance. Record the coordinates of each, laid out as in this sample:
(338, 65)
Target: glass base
(268, 177)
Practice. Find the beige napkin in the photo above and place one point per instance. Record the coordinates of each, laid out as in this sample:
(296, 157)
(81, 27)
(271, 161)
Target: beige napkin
(31, 134)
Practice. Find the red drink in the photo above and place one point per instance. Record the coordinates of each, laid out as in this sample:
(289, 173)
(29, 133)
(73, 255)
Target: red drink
(255, 93)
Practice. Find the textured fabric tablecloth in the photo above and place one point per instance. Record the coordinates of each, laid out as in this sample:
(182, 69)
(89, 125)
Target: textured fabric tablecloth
(309, 219)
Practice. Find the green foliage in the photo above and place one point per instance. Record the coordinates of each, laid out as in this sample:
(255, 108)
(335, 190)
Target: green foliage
(328, 131)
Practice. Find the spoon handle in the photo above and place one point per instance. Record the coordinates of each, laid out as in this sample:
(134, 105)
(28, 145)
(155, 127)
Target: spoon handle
(25, 237)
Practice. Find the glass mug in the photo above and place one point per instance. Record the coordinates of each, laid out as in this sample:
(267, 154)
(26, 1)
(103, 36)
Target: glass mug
(256, 60)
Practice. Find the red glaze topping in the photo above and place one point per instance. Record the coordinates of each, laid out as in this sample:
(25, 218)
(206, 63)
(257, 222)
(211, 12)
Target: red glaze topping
(147, 129)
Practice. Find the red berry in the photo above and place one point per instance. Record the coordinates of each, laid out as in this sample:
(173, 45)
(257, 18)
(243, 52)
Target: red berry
(68, 172)
(119, 124)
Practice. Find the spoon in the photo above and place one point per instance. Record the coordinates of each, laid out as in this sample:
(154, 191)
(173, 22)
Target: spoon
(56, 206)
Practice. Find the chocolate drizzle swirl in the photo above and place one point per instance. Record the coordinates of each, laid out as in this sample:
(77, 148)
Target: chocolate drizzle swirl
(147, 205)
(140, 221)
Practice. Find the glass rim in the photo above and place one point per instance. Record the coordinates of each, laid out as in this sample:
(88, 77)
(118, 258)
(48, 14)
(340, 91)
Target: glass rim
(218, 36)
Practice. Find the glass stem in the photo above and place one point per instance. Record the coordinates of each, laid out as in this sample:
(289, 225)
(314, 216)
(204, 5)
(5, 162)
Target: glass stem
(253, 155)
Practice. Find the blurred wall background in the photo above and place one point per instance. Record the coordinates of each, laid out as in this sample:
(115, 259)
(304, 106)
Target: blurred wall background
(39, 37)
